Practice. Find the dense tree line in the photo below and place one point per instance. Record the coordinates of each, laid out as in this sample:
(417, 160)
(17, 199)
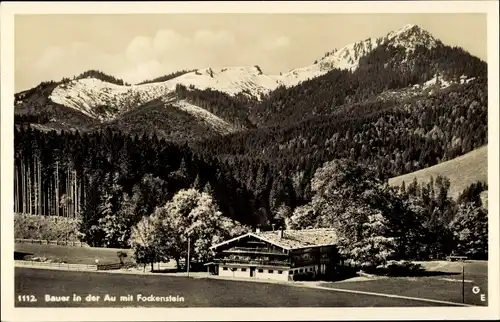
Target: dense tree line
(166, 77)
(111, 180)
(472, 194)
(101, 76)
(376, 223)
(450, 227)
(235, 110)
(44, 87)
(39, 118)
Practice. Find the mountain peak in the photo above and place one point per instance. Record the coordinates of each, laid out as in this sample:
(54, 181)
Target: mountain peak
(408, 27)
(411, 36)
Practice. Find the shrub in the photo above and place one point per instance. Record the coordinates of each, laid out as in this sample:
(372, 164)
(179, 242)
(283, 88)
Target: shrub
(341, 272)
(304, 277)
(45, 228)
(400, 268)
(121, 255)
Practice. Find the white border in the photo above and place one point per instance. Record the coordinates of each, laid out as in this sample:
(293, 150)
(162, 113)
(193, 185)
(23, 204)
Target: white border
(233, 314)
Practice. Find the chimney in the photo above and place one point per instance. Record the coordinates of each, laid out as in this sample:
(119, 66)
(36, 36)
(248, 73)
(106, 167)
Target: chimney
(272, 226)
(257, 230)
(281, 232)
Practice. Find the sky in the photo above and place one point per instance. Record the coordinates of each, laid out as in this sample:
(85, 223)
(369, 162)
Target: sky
(143, 46)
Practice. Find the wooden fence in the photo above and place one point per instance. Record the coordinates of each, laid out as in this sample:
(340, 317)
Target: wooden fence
(51, 242)
(80, 267)
(106, 267)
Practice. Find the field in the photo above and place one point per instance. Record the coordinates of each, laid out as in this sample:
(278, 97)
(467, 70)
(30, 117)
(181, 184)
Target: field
(71, 255)
(201, 292)
(462, 172)
(443, 282)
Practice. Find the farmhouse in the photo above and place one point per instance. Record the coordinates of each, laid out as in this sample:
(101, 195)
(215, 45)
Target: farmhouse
(279, 255)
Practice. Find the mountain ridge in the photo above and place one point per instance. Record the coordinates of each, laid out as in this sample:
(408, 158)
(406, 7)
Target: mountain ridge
(243, 97)
(88, 91)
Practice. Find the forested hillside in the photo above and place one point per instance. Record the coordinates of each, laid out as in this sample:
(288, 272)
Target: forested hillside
(235, 110)
(94, 175)
(385, 68)
(397, 137)
(164, 120)
(34, 107)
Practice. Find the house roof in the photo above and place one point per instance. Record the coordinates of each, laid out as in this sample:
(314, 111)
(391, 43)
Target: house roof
(292, 239)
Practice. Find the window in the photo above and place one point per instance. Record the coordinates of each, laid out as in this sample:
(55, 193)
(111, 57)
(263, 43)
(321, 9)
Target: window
(301, 270)
(224, 268)
(291, 272)
(261, 270)
(280, 272)
(270, 271)
(243, 269)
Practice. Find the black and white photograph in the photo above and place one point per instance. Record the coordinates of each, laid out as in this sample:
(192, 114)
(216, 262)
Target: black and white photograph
(329, 158)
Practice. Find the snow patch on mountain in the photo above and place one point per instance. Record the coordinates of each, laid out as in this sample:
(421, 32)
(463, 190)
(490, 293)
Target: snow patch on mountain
(103, 100)
(465, 80)
(203, 115)
(231, 80)
(346, 58)
(429, 88)
(436, 80)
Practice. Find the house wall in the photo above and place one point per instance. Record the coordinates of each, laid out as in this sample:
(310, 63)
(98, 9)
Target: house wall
(303, 270)
(265, 274)
(305, 257)
(236, 273)
(252, 252)
(323, 258)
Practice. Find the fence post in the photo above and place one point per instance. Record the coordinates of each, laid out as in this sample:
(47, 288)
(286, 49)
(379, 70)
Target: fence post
(463, 283)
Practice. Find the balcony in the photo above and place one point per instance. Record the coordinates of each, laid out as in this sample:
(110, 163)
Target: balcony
(253, 250)
(252, 262)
